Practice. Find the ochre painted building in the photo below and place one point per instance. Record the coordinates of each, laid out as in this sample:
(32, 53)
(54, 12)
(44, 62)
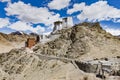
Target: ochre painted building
(30, 42)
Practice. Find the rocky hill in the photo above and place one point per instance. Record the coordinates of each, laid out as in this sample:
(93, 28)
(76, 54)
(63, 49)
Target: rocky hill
(18, 33)
(83, 41)
(54, 60)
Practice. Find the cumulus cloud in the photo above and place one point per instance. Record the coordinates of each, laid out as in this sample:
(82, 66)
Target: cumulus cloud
(28, 13)
(118, 20)
(58, 4)
(76, 7)
(4, 22)
(98, 11)
(22, 26)
(113, 31)
(5, 0)
(38, 29)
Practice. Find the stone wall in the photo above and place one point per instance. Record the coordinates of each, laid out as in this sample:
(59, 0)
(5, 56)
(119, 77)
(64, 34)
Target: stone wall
(86, 67)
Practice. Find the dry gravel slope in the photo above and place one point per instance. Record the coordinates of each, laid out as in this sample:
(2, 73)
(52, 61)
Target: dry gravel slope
(20, 65)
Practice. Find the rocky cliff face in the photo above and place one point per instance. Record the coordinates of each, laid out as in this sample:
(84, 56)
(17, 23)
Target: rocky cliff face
(83, 41)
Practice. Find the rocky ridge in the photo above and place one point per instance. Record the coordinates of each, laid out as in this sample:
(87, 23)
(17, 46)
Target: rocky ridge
(83, 41)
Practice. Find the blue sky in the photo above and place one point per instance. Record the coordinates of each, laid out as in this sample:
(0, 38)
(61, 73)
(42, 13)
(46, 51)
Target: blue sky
(38, 15)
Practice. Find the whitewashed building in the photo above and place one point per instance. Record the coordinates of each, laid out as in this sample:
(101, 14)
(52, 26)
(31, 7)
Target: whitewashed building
(57, 25)
(65, 23)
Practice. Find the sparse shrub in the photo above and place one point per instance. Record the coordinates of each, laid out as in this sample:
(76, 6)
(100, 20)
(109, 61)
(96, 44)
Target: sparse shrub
(118, 56)
(106, 59)
(53, 66)
(96, 59)
(85, 78)
(118, 73)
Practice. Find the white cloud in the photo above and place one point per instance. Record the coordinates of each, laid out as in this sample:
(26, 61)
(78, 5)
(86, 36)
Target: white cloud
(4, 22)
(98, 11)
(118, 20)
(113, 31)
(22, 26)
(58, 4)
(28, 13)
(38, 29)
(76, 7)
(5, 0)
